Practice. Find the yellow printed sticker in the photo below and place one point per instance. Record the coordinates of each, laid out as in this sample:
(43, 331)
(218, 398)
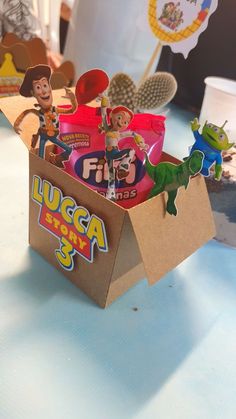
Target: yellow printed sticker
(78, 231)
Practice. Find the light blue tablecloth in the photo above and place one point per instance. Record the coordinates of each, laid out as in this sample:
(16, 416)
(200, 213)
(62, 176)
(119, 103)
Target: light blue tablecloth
(161, 352)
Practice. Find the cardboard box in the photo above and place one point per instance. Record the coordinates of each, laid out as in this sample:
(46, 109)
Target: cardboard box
(125, 245)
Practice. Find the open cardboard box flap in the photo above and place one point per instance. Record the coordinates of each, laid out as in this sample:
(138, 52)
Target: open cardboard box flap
(164, 240)
(144, 237)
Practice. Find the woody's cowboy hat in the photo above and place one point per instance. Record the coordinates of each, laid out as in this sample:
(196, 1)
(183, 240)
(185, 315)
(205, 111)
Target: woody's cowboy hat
(34, 73)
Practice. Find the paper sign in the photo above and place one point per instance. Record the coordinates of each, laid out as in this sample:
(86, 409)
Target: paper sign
(179, 23)
(77, 230)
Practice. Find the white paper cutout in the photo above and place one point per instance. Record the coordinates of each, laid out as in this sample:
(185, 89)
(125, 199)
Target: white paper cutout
(179, 23)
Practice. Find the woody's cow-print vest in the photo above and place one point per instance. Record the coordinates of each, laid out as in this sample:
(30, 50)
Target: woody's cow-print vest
(49, 119)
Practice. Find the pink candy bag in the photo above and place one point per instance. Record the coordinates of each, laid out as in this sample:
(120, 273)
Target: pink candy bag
(87, 161)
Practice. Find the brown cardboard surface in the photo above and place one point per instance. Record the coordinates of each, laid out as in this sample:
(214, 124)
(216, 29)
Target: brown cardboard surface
(125, 282)
(128, 268)
(35, 47)
(37, 54)
(21, 57)
(92, 278)
(164, 240)
(128, 255)
(67, 68)
(58, 80)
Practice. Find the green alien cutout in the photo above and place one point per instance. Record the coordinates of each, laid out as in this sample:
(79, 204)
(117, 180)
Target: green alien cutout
(169, 177)
(212, 141)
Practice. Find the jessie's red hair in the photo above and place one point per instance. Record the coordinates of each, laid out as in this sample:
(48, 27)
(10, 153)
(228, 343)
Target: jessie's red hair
(118, 109)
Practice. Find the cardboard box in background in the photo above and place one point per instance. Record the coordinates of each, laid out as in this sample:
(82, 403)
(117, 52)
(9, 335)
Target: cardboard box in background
(142, 241)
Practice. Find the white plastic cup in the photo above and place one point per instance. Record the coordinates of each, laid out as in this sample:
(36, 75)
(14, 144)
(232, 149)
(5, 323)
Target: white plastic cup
(219, 104)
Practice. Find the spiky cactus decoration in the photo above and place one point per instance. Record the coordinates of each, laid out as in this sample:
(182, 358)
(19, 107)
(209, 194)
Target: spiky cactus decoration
(155, 92)
(122, 91)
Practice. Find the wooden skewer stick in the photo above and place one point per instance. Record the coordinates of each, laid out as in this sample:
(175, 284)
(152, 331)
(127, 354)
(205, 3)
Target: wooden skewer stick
(150, 63)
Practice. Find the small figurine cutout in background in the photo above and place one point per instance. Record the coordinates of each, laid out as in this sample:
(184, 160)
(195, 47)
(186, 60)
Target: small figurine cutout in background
(120, 118)
(169, 177)
(37, 83)
(212, 141)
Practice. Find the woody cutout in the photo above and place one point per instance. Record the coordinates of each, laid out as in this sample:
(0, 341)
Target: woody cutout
(37, 83)
(120, 118)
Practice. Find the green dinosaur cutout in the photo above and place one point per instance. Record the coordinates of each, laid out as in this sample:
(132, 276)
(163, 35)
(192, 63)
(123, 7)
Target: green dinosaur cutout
(169, 177)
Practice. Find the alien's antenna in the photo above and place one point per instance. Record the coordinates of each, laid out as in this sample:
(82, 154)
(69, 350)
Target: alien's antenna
(224, 124)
